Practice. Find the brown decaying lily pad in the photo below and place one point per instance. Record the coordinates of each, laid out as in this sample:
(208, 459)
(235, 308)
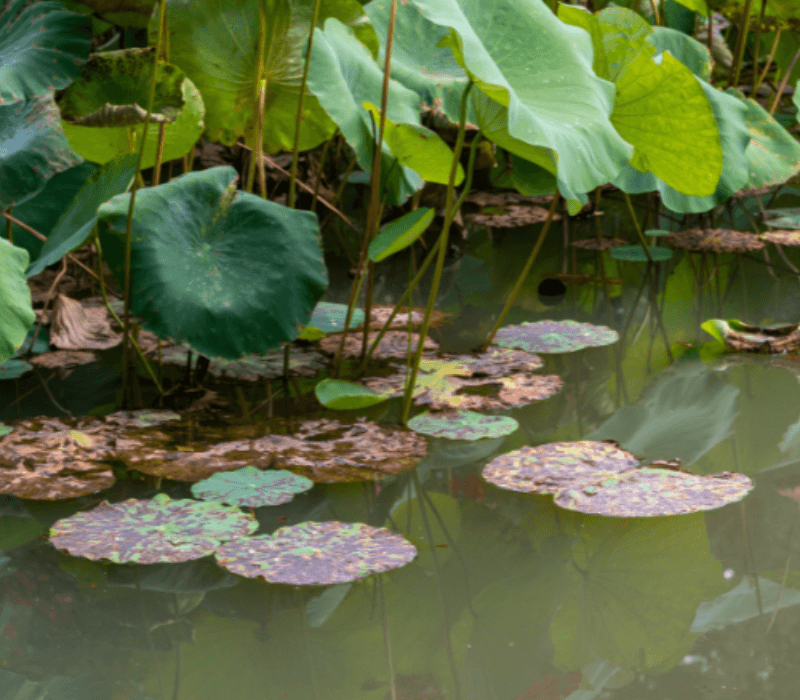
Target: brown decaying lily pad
(604, 243)
(63, 359)
(315, 553)
(147, 532)
(776, 340)
(554, 466)
(782, 237)
(501, 199)
(76, 326)
(652, 492)
(47, 459)
(510, 216)
(716, 240)
(394, 344)
(323, 450)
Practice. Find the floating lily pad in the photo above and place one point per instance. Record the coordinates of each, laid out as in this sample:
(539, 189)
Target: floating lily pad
(340, 394)
(788, 218)
(378, 315)
(64, 359)
(744, 337)
(394, 344)
(635, 253)
(11, 369)
(316, 553)
(47, 459)
(782, 237)
(323, 450)
(141, 419)
(717, 240)
(147, 532)
(555, 466)
(604, 243)
(491, 381)
(5, 429)
(252, 487)
(331, 317)
(555, 336)
(462, 425)
(510, 216)
(649, 492)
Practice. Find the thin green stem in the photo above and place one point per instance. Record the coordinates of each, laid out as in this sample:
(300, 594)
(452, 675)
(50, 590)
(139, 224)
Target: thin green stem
(258, 91)
(741, 40)
(450, 212)
(642, 239)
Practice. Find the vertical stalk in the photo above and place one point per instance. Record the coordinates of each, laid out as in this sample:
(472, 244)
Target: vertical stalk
(756, 47)
(9, 226)
(782, 85)
(450, 212)
(770, 58)
(299, 120)
(525, 270)
(258, 90)
(741, 39)
(642, 239)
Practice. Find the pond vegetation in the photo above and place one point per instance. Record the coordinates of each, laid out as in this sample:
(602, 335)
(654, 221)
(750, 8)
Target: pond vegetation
(453, 324)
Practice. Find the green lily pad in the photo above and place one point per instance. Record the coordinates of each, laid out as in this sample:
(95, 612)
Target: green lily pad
(224, 271)
(14, 368)
(147, 532)
(5, 429)
(316, 553)
(252, 487)
(340, 394)
(554, 466)
(747, 338)
(650, 492)
(635, 253)
(787, 217)
(462, 425)
(657, 232)
(330, 317)
(555, 336)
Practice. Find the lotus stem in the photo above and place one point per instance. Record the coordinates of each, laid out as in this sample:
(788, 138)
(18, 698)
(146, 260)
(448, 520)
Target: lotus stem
(301, 99)
(259, 90)
(782, 85)
(642, 239)
(741, 40)
(450, 212)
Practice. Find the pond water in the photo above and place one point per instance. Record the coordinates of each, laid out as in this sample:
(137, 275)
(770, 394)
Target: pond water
(515, 599)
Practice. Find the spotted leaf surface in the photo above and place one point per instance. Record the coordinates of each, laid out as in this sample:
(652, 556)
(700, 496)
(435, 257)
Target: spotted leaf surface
(252, 487)
(554, 466)
(462, 425)
(649, 492)
(555, 336)
(147, 532)
(394, 344)
(316, 553)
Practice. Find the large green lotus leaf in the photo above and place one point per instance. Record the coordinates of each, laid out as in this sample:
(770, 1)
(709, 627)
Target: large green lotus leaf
(252, 487)
(33, 148)
(125, 78)
(42, 48)
(42, 211)
(635, 587)
(400, 233)
(316, 553)
(624, 36)
(538, 70)
(663, 111)
(773, 154)
(216, 41)
(123, 13)
(343, 75)
(147, 532)
(75, 224)
(694, 55)
(16, 312)
(696, 5)
(226, 272)
(418, 62)
(418, 148)
(683, 417)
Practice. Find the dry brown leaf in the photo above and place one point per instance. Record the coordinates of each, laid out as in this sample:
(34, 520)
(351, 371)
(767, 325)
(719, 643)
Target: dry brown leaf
(75, 326)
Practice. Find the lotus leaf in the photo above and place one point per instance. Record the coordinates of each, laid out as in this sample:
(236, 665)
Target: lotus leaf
(715, 240)
(604, 243)
(787, 217)
(779, 237)
(555, 336)
(147, 532)
(462, 425)
(394, 344)
(400, 233)
(252, 487)
(33, 148)
(649, 492)
(379, 314)
(227, 272)
(555, 466)
(11, 369)
(636, 253)
(42, 48)
(145, 418)
(64, 359)
(316, 553)
(745, 337)
(330, 317)
(339, 394)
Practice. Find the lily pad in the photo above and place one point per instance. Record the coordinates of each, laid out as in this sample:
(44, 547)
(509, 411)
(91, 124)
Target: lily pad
(252, 487)
(141, 419)
(316, 553)
(649, 492)
(64, 359)
(718, 240)
(635, 253)
(747, 338)
(147, 532)
(394, 344)
(604, 243)
(555, 336)
(379, 314)
(323, 450)
(781, 237)
(555, 466)
(330, 317)
(510, 216)
(462, 425)
(11, 369)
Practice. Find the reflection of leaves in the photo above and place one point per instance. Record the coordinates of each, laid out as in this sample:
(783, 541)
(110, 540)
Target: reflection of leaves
(683, 417)
(635, 586)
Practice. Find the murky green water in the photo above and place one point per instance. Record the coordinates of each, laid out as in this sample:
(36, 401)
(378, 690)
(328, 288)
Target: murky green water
(516, 599)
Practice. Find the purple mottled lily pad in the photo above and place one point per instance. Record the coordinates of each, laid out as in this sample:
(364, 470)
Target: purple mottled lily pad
(252, 487)
(462, 425)
(316, 553)
(554, 466)
(649, 492)
(147, 532)
(555, 336)
(141, 419)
